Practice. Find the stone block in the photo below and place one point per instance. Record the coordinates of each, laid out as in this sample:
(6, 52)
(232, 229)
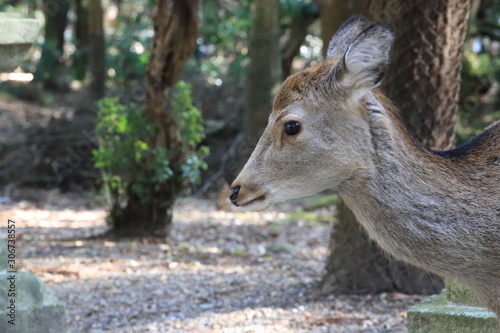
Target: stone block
(16, 37)
(455, 310)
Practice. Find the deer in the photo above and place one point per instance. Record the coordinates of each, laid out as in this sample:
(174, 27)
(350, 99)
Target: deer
(332, 127)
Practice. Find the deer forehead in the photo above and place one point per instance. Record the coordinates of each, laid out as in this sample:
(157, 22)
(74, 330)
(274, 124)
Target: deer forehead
(302, 85)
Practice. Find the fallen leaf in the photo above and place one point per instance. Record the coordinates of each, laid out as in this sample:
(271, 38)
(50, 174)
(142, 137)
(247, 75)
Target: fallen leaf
(397, 296)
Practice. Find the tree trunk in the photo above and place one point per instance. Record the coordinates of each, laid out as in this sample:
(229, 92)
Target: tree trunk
(176, 29)
(51, 70)
(424, 81)
(424, 78)
(297, 32)
(263, 72)
(97, 50)
(82, 41)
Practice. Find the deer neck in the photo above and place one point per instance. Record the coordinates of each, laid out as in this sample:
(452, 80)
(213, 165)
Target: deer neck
(398, 201)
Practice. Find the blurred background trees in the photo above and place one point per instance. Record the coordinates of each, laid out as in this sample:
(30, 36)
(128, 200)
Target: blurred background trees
(97, 58)
(264, 72)
(173, 86)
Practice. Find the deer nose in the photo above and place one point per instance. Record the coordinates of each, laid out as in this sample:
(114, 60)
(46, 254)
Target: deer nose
(233, 195)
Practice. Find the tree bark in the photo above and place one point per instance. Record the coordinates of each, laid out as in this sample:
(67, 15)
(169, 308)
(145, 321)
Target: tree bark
(97, 50)
(81, 31)
(263, 72)
(176, 29)
(51, 70)
(424, 81)
(424, 78)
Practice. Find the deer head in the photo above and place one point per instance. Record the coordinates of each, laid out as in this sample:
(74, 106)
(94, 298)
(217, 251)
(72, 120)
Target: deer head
(317, 136)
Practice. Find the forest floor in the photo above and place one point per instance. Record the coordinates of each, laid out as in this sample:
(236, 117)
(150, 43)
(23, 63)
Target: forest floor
(218, 272)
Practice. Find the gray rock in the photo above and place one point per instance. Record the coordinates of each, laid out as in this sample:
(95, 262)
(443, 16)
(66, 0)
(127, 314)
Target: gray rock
(36, 308)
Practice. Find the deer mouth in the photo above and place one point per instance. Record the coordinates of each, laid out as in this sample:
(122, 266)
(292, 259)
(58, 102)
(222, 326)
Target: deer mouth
(248, 203)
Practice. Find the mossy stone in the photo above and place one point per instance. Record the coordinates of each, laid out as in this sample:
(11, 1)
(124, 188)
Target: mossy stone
(36, 308)
(459, 294)
(455, 310)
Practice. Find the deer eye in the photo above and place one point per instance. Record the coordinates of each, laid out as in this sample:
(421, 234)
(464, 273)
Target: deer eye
(292, 127)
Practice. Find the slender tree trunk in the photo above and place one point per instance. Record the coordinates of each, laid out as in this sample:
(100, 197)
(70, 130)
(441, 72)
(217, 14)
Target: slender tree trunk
(297, 32)
(176, 29)
(424, 81)
(81, 31)
(263, 72)
(51, 70)
(97, 50)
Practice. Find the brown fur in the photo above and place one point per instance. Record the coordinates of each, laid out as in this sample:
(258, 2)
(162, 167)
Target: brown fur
(302, 85)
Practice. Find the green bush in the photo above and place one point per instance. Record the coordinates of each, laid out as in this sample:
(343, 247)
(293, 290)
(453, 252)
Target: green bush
(479, 104)
(127, 159)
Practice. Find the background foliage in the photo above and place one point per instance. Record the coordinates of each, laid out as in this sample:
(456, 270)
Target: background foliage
(125, 156)
(217, 69)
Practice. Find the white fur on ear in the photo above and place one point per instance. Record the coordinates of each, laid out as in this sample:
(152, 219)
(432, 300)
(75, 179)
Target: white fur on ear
(367, 58)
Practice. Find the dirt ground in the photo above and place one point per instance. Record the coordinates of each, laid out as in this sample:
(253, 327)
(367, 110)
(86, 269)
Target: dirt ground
(218, 272)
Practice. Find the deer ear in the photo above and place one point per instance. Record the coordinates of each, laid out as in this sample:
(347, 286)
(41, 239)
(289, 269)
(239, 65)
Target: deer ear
(367, 58)
(346, 35)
